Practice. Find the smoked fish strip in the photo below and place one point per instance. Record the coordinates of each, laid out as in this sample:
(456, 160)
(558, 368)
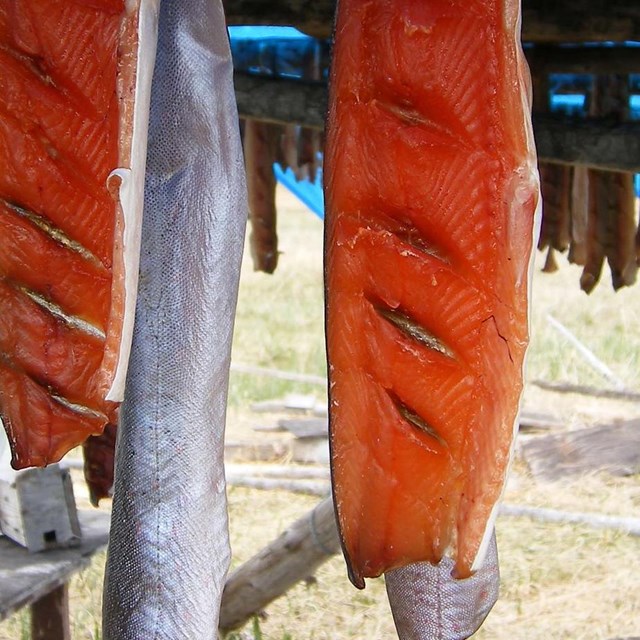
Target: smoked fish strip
(432, 191)
(260, 149)
(74, 101)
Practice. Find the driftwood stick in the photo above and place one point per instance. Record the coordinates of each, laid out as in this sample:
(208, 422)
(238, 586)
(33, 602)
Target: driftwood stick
(290, 471)
(565, 387)
(277, 373)
(310, 487)
(587, 354)
(292, 557)
(593, 520)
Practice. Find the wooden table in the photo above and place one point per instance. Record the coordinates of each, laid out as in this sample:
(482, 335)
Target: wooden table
(41, 579)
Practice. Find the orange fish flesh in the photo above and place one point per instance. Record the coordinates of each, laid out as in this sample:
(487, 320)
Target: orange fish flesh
(72, 139)
(431, 190)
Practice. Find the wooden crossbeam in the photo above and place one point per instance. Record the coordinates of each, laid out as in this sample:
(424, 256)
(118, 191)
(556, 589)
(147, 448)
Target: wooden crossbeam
(542, 21)
(594, 143)
(547, 58)
(598, 144)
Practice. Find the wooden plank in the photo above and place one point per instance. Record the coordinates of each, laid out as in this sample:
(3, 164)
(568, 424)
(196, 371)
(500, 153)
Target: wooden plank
(314, 18)
(306, 427)
(542, 21)
(50, 615)
(26, 577)
(536, 421)
(294, 402)
(580, 21)
(274, 451)
(599, 144)
(614, 448)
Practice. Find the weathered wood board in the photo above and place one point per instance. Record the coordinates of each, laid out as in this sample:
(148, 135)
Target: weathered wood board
(614, 448)
(294, 402)
(532, 421)
(26, 577)
(305, 427)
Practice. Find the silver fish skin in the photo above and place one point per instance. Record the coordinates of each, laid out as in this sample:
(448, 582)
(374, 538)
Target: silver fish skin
(428, 603)
(169, 550)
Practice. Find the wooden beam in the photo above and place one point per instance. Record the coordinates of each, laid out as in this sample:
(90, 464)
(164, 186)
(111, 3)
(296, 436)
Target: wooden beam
(603, 60)
(314, 17)
(596, 144)
(593, 143)
(580, 21)
(50, 615)
(281, 100)
(543, 20)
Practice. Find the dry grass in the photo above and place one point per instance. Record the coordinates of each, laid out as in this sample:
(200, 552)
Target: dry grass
(558, 581)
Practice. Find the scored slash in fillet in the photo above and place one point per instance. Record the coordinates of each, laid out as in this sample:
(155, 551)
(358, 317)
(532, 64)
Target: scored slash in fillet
(73, 107)
(431, 190)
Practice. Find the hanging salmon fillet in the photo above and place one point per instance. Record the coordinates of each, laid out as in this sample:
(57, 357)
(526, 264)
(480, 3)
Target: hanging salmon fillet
(431, 188)
(74, 100)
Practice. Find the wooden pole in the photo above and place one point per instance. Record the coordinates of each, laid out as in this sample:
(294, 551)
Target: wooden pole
(597, 60)
(542, 20)
(292, 557)
(630, 526)
(281, 100)
(50, 616)
(599, 144)
(596, 392)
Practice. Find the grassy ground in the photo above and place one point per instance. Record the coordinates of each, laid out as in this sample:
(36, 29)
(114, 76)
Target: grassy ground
(558, 581)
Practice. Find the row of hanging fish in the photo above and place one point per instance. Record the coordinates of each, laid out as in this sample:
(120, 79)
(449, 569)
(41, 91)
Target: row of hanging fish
(592, 213)
(432, 190)
(292, 147)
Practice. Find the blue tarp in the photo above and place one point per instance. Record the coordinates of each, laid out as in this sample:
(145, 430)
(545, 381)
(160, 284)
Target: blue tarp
(309, 193)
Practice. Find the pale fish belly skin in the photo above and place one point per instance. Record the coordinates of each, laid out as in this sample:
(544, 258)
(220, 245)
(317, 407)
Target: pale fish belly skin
(428, 603)
(169, 550)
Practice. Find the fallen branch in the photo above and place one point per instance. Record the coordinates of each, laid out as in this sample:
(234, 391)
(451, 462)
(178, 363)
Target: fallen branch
(565, 387)
(292, 557)
(310, 541)
(593, 520)
(587, 354)
(281, 375)
(310, 487)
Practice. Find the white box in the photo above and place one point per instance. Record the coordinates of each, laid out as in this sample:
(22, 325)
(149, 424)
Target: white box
(38, 508)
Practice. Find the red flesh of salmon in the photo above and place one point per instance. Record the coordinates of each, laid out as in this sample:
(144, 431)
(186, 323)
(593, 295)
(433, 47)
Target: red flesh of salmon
(65, 124)
(431, 191)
